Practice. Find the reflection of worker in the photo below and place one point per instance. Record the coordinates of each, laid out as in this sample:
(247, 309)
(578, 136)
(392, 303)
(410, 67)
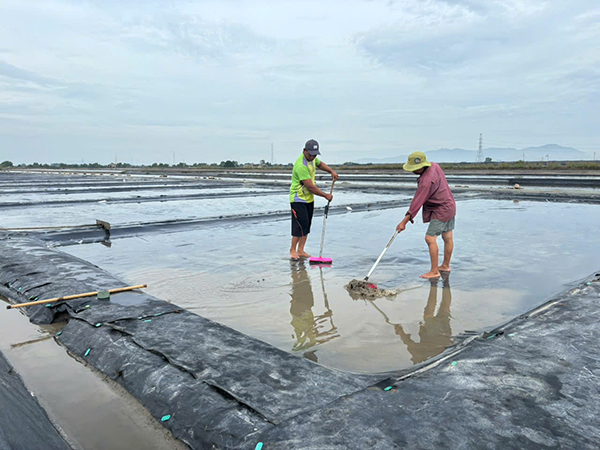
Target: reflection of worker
(303, 319)
(309, 330)
(435, 332)
(302, 196)
(439, 209)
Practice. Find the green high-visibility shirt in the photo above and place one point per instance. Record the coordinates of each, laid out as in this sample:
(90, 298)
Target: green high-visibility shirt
(303, 170)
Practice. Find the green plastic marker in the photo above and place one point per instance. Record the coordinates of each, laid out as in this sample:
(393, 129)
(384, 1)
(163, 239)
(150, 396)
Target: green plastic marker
(88, 352)
(259, 446)
(165, 418)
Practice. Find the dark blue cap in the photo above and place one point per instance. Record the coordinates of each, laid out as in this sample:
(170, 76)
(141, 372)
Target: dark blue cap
(312, 147)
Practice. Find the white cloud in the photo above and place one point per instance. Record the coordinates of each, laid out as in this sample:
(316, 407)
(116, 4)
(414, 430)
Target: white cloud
(222, 80)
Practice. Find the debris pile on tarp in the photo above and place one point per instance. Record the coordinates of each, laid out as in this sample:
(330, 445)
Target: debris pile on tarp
(361, 289)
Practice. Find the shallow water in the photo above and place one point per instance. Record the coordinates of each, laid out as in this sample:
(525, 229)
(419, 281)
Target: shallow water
(509, 257)
(94, 414)
(95, 194)
(124, 213)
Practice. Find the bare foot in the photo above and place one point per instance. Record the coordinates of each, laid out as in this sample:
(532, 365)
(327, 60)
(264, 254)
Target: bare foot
(303, 255)
(430, 275)
(294, 256)
(443, 268)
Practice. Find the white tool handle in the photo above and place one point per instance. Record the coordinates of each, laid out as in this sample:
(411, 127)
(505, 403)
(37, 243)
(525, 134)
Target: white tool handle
(381, 256)
(325, 222)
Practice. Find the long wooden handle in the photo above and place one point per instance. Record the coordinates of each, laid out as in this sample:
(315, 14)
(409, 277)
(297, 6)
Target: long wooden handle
(72, 297)
(332, 183)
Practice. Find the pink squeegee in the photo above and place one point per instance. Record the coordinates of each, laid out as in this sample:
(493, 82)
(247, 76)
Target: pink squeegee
(320, 259)
(315, 260)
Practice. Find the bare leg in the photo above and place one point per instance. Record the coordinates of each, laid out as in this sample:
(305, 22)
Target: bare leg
(448, 248)
(301, 244)
(433, 254)
(294, 248)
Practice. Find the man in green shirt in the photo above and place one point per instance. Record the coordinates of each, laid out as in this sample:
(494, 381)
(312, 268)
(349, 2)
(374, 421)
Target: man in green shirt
(302, 196)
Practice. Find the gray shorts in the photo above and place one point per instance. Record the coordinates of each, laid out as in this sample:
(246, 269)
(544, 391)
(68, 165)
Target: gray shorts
(437, 227)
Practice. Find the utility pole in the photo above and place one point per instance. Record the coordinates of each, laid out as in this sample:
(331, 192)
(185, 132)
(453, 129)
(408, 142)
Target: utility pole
(480, 150)
(272, 155)
(173, 157)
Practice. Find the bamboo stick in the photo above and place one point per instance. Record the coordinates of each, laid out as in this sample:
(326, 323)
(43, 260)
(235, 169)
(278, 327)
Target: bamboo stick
(72, 297)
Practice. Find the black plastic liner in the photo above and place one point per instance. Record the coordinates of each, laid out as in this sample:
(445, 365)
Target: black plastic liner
(533, 383)
(29, 271)
(23, 422)
(218, 385)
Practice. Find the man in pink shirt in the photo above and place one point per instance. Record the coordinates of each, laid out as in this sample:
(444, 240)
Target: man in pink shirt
(439, 209)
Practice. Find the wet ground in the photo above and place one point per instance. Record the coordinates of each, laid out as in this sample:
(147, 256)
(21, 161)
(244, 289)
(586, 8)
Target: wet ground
(78, 202)
(509, 256)
(240, 275)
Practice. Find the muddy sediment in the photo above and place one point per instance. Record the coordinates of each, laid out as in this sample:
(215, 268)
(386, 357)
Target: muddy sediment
(361, 289)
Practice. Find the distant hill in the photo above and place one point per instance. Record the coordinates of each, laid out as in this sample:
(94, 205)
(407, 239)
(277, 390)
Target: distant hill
(553, 152)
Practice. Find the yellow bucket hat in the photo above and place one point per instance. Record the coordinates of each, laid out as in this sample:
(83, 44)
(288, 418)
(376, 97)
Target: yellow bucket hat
(416, 161)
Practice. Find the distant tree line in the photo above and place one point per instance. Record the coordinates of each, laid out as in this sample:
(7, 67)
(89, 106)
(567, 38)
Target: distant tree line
(122, 165)
(487, 165)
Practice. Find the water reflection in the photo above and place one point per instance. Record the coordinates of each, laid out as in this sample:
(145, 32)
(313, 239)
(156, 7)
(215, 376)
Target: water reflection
(310, 330)
(435, 332)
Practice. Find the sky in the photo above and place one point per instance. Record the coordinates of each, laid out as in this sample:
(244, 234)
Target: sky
(206, 81)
